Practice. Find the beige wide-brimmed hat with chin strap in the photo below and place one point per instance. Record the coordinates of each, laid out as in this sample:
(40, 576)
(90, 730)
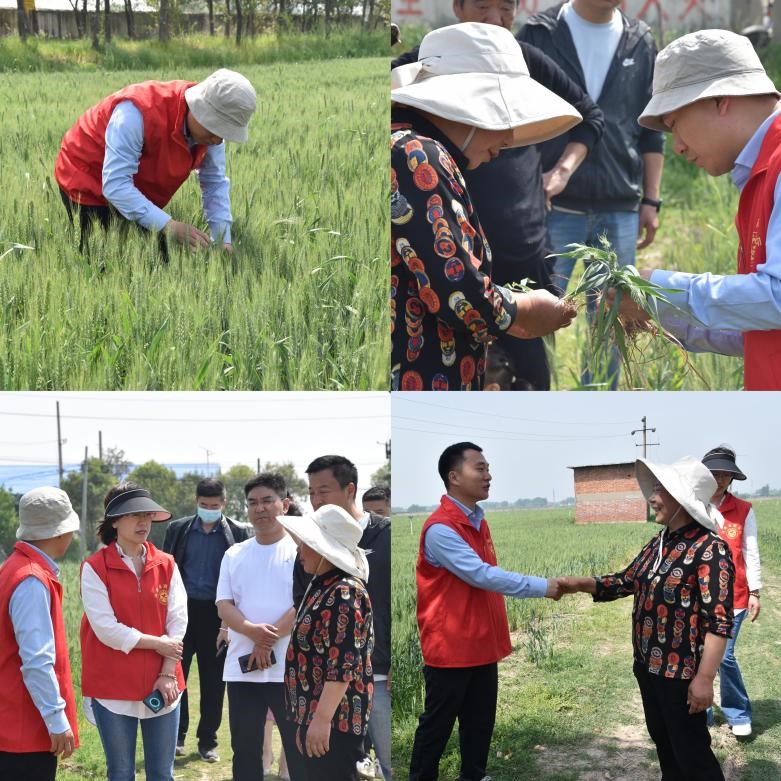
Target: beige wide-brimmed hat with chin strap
(700, 65)
(333, 533)
(475, 74)
(688, 481)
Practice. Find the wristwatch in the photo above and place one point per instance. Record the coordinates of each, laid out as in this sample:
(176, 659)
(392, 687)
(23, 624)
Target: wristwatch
(652, 202)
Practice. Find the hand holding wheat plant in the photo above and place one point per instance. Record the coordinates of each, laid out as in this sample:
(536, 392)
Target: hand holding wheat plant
(634, 327)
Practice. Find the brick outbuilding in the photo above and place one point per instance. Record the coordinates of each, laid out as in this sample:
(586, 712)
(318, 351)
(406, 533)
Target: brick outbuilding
(608, 493)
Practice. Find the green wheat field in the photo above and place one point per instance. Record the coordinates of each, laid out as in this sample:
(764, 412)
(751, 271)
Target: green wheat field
(569, 708)
(300, 305)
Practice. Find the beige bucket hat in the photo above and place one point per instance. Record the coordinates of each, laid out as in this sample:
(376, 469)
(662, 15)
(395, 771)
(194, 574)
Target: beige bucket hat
(688, 481)
(45, 513)
(704, 64)
(334, 534)
(223, 103)
(475, 74)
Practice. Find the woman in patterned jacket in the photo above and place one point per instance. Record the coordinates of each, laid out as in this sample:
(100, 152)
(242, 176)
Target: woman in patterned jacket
(328, 672)
(682, 583)
(467, 97)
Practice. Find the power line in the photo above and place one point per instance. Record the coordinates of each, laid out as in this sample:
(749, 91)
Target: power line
(482, 412)
(169, 419)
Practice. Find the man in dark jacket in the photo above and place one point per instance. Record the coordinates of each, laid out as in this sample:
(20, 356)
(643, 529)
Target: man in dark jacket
(511, 193)
(198, 544)
(334, 480)
(616, 192)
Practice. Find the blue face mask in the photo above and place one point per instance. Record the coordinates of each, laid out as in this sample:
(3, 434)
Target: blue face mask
(209, 516)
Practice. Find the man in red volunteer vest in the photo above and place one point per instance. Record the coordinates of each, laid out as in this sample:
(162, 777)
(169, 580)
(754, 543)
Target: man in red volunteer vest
(37, 706)
(127, 155)
(739, 531)
(462, 619)
(712, 93)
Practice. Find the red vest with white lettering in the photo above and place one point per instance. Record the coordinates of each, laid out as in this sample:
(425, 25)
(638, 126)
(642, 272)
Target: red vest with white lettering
(762, 349)
(22, 729)
(460, 626)
(166, 159)
(735, 512)
(138, 602)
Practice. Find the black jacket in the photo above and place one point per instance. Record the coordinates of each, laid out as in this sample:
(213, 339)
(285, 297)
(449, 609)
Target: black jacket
(611, 178)
(377, 540)
(177, 531)
(507, 192)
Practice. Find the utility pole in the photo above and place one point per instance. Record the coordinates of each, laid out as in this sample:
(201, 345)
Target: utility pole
(645, 447)
(645, 431)
(100, 445)
(258, 466)
(84, 524)
(59, 444)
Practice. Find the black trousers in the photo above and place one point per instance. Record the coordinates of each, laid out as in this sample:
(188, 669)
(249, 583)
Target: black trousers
(105, 216)
(30, 766)
(529, 361)
(682, 740)
(339, 762)
(200, 640)
(247, 706)
(464, 693)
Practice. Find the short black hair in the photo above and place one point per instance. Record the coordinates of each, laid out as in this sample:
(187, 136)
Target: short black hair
(342, 469)
(210, 486)
(452, 457)
(106, 532)
(377, 493)
(273, 480)
(292, 507)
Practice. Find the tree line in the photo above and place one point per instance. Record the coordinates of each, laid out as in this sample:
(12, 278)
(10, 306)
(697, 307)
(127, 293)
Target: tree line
(231, 18)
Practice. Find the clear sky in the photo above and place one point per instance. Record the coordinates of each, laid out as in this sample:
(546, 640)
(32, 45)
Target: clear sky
(182, 427)
(531, 438)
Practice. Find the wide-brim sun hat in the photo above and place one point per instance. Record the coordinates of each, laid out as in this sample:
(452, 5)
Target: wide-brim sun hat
(138, 500)
(333, 533)
(224, 104)
(475, 74)
(703, 64)
(688, 481)
(45, 513)
(722, 459)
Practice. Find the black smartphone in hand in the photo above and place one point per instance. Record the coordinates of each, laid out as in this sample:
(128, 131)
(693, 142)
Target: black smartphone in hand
(221, 649)
(244, 662)
(154, 701)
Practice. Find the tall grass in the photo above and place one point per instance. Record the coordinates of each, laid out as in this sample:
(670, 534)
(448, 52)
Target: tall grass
(300, 304)
(191, 51)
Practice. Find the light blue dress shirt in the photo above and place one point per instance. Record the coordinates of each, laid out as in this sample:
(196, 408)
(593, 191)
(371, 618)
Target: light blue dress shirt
(443, 547)
(124, 142)
(726, 306)
(30, 611)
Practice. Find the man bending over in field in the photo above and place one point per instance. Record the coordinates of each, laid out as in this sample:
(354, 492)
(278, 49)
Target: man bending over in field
(462, 619)
(127, 155)
(712, 93)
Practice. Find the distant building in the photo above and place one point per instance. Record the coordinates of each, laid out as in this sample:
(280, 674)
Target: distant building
(608, 493)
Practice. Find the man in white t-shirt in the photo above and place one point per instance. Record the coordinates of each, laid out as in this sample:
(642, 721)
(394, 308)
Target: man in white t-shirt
(255, 602)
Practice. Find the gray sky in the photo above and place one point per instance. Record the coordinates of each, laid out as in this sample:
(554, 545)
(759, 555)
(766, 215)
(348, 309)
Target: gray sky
(531, 438)
(181, 427)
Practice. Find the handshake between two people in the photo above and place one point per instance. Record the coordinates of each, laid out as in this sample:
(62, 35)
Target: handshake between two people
(558, 587)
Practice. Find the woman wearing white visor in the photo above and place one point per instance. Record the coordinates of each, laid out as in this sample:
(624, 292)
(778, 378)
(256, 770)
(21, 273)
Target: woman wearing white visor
(467, 97)
(682, 583)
